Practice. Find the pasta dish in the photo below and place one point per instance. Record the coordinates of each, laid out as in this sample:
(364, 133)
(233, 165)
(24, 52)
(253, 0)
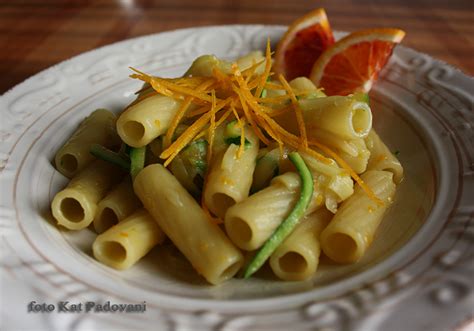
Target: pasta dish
(236, 166)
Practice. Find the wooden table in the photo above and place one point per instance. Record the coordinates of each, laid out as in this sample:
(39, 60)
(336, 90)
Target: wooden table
(37, 34)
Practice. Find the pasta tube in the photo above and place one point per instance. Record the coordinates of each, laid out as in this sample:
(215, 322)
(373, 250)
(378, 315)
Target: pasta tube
(205, 64)
(97, 128)
(189, 166)
(299, 85)
(306, 86)
(248, 60)
(343, 116)
(330, 177)
(329, 139)
(117, 204)
(251, 222)
(76, 205)
(359, 161)
(297, 258)
(202, 242)
(230, 177)
(351, 231)
(144, 121)
(125, 243)
(302, 84)
(267, 167)
(381, 158)
(291, 220)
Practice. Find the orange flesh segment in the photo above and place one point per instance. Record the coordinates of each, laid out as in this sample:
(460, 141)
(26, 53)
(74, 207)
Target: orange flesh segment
(349, 71)
(304, 49)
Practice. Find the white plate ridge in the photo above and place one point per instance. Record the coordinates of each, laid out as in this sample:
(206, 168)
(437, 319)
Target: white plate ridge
(427, 283)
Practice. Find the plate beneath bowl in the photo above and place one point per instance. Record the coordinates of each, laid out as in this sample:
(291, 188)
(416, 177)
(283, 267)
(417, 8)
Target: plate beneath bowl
(420, 264)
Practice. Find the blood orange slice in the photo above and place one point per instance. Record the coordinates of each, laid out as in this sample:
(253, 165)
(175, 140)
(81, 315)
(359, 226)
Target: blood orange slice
(304, 41)
(353, 63)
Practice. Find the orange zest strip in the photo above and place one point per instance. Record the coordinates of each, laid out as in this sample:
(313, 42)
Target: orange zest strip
(274, 100)
(223, 117)
(167, 87)
(158, 87)
(298, 110)
(250, 73)
(199, 111)
(218, 123)
(222, 78)
(266, 72)
(292, 140)
(187, 136)
(254, 83)
(273, 86)
(184, 90)
(262, 108)
(181, 111)
(280, 98)
(176, 119)
(200, 135)
(249, 98)
(252, 69)
(272, 128)
(250, 119)
(345, 166)
(212, 128)
(152, 81)
(271, 133)
(278, 112)
(242, 133)
(191, 82)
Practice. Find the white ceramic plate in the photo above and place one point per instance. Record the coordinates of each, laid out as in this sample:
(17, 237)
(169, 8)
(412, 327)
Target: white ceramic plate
(417, 275)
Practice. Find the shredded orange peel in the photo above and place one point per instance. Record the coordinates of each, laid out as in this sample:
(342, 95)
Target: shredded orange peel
(298, 111)
(237, 94)
(212, 127)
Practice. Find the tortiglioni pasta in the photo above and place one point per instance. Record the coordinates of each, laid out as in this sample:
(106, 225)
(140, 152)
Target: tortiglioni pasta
(232, 157)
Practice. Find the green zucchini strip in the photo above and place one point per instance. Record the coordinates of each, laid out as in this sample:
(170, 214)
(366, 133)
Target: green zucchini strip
(287, 226)
(137, 160)
(107, 155)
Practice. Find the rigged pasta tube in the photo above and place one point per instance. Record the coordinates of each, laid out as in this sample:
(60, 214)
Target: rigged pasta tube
(381, 158)
(252, 221)
(203, 243)
(304, 89)
(75, 206)
(353, 151)
(351, 231)
(147, 119)
(357, 162)
(335, 184)
(248, 60)
(230, 177)
(205, 64)
(125, 243)
(342, 116)
(97, 128)
(297, 258)
(115, 206)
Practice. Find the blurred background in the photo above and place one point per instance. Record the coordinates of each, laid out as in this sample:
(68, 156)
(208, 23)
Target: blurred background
(36, 34)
